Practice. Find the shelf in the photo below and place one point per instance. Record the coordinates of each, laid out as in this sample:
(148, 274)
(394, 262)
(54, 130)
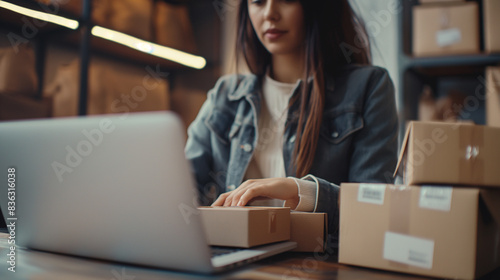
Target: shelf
(79, 36)
(32, 26)
(117, 51)
(69, 9)
(17, 22)
(24, 26)
(454, 60)
(442, 73)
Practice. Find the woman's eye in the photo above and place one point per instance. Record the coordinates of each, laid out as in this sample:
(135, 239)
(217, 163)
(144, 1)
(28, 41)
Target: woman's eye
(256, 2)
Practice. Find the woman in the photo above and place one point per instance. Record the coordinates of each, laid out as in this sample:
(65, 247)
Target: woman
(308, 117)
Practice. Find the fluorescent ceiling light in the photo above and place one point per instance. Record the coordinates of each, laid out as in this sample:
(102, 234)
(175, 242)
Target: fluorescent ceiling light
(69, 23)
(180, 57)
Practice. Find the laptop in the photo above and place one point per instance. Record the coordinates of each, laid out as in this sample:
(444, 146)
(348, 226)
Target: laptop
(112, 187)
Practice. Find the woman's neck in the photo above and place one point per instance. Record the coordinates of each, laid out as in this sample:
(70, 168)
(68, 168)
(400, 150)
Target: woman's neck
(287, 68)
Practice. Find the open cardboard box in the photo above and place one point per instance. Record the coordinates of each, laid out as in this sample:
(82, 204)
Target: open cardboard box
(245, 226)
(450, 153)
(435, 231)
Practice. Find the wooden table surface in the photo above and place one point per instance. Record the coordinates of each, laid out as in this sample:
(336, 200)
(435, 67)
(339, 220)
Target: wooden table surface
(32, 264)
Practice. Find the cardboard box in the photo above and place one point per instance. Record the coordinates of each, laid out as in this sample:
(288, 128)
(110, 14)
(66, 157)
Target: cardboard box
(441, 232)
(446, 29)
(438, 1)
(491, 10)
(245, 226)
(17, 107)
(493, 96)
(450, 153)
(309, 230)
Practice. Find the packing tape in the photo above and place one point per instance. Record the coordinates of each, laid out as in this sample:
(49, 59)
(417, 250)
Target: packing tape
(272, 221)
(471, 144)
(399, 215)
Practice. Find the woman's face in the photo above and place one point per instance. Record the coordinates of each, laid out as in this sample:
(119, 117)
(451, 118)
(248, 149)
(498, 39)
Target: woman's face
(279, 24)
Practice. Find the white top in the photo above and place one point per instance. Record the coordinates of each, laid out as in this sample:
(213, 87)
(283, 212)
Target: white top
(267, 160)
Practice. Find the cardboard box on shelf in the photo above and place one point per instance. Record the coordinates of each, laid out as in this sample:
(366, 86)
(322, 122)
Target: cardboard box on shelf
(17, 71)
(173, 26)
(110, 90)
(450, 153)
(493, 96)
(434, 231)
(245, 226)
(17, 107)
(446, 29)
(309, 230)
(132, 17)
(438, 1)
(491, 10)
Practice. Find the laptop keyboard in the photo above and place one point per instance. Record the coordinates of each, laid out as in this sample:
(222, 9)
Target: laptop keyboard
(219, 251)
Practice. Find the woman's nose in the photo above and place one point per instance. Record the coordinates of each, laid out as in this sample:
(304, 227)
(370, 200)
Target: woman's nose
(272, 12)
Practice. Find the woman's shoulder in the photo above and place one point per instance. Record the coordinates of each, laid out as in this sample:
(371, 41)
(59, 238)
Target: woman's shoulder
(367, 72)
(358, 77)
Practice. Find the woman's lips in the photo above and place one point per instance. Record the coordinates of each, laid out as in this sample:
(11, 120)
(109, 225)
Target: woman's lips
(273, 33)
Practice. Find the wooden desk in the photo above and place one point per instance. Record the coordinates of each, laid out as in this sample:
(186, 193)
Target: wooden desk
(34, 265)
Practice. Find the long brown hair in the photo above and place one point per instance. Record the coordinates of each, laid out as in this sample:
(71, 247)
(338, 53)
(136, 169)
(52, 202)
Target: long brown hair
(335, 37)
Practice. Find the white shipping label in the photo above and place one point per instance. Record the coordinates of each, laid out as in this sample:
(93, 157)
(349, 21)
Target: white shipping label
(435, 198)
(408, 249)
(371, 193)
(448, 37)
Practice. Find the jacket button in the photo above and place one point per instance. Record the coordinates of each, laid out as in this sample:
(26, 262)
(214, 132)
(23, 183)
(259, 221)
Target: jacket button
(231, 187)
(335, 134)
(247, 148)
(292, 139)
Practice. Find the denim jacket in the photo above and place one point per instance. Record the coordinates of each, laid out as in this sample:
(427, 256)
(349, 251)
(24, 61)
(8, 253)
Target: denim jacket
(357, 143)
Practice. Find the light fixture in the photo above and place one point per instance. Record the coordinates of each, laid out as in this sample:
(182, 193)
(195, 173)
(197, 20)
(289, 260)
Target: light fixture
(69, 23)
(180, 57)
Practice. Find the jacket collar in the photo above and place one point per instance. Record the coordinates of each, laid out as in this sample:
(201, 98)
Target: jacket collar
(246, 85)
(250, 85)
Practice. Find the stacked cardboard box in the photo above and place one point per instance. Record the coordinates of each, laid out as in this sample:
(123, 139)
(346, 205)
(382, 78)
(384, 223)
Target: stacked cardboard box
(445, 221)
(445, 27)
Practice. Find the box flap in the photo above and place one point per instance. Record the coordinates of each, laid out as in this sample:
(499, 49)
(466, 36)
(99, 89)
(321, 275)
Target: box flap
(495, 76)
(491, 197)
(402, 153)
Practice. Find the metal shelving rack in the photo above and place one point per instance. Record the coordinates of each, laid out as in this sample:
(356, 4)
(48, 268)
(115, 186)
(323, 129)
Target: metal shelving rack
(81, 39)
(415, 71)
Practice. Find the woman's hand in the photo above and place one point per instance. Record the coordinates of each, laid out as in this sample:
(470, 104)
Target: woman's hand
(278, 188)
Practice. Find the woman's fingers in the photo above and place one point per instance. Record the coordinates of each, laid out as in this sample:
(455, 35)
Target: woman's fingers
(235, 198)
(221, 199)
(250, 194)
(279, 188)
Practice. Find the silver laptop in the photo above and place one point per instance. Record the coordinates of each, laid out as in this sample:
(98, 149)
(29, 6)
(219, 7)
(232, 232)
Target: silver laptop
(115, 187)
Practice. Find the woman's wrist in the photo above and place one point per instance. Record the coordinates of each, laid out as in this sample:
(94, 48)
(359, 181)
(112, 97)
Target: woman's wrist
(293, 202)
